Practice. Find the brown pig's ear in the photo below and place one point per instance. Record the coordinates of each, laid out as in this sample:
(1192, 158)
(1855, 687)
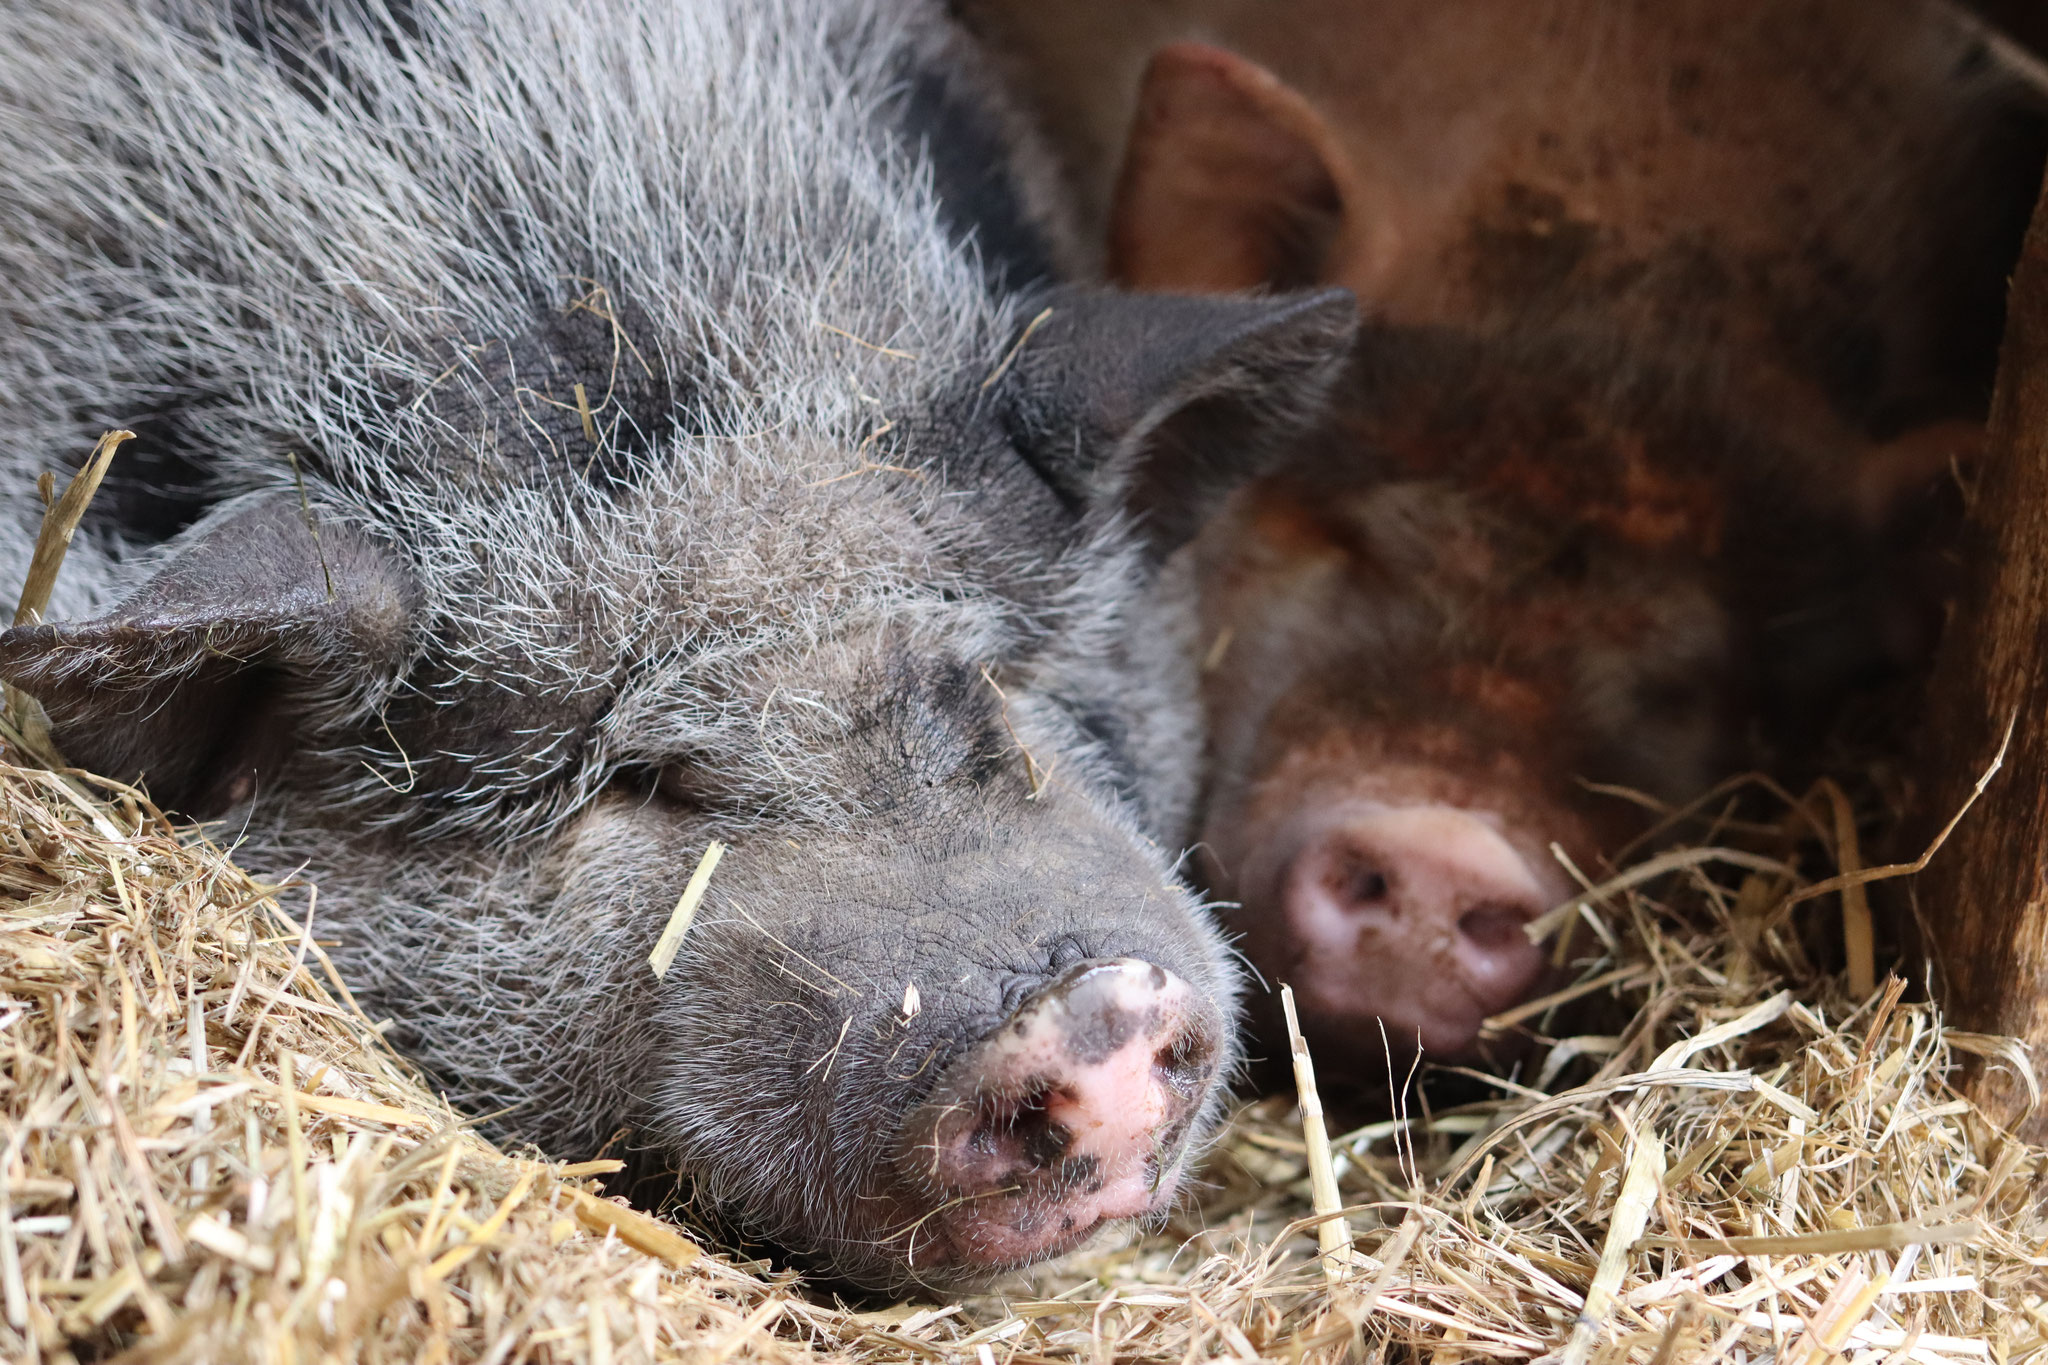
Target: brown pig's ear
(1230, 180)
(192, 684)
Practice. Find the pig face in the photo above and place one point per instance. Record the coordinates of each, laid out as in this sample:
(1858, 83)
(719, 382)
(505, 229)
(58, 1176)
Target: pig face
(943, 1070)
(956, 1034)
(1498, 581)
(926, 1047)
(1421, 639)
(1585, 511)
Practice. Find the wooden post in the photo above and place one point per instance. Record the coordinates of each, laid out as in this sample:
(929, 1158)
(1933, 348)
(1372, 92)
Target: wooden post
(1984, 899)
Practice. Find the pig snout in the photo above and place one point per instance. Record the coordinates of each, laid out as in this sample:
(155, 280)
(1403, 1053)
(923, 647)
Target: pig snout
(1073, 1113)
(1413, 917)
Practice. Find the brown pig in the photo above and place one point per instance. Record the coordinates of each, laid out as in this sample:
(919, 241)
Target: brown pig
(1512, 565)
(1675, 309)
(1674, 306)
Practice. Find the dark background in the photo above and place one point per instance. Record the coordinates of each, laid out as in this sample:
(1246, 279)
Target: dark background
(2026, 20)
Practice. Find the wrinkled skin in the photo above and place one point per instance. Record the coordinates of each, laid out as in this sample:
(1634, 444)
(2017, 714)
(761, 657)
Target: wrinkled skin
(569, 433)
(1679, 314)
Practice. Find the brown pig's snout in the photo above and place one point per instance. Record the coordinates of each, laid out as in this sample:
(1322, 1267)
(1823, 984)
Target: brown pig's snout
(1074, 1112)
(1413, 917)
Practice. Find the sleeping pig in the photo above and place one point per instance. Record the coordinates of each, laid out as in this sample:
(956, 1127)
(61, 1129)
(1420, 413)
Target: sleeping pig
(1675, 313)
(573, 431)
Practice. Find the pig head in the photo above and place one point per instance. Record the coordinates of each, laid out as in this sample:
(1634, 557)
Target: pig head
(945, 1011)
(1613, 491)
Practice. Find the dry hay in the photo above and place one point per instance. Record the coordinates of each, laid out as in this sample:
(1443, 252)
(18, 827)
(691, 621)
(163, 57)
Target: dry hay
(211, 1156)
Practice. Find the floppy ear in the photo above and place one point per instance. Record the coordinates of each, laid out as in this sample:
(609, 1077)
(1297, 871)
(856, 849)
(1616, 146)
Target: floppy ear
(1230, 181)
(1161, 404)
(193, 682)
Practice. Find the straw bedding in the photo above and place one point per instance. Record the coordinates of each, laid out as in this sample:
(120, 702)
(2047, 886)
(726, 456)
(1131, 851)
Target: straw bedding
(1711, 1150)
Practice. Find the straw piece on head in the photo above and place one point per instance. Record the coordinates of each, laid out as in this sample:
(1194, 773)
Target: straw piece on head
(60, 522)
(671, 940)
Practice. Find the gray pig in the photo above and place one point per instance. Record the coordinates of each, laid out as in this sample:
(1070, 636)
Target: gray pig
(573, 430)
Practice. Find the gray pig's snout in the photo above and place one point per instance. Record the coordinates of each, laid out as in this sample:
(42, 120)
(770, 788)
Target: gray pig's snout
(1075, 1111)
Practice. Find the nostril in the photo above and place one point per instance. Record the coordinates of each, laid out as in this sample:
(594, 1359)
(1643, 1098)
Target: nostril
(1495, 928)
(1041, 1139)
(1360, 883)
(1184, 1064)
(1018, 1128)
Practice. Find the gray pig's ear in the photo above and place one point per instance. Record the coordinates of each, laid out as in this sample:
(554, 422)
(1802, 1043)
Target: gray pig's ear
(1161, 404)
(193, 683)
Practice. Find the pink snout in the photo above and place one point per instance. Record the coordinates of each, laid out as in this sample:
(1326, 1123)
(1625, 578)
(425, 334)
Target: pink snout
(1074, 1112)
(1415, 917)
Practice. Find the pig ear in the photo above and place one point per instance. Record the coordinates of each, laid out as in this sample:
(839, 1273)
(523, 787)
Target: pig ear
(1160, 404)
(1230, 180)
(191, 684)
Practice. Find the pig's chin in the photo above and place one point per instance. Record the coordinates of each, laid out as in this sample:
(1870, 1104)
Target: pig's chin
(1397, 924)
(975, 1240)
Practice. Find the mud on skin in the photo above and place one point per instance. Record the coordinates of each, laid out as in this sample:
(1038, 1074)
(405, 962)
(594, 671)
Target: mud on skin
(1679, 315)
(676, 466)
